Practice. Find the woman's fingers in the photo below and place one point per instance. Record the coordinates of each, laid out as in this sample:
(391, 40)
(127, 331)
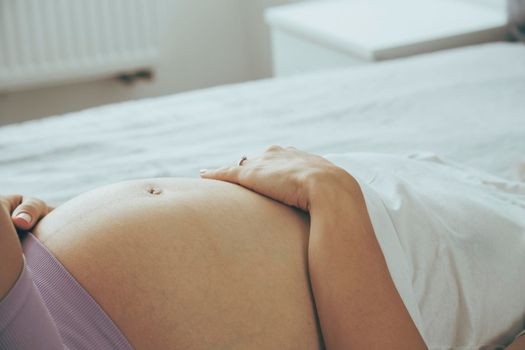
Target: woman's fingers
(276, 174)
(287, 175)
(28, 211)
(230, 174)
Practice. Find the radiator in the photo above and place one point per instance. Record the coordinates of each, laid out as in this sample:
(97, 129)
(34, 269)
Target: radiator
(56, 41)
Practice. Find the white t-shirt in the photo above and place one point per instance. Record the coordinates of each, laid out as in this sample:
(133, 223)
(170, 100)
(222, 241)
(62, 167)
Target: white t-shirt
(454, 242)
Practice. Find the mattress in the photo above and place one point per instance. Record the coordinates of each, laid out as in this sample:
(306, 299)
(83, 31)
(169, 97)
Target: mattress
(466, 104)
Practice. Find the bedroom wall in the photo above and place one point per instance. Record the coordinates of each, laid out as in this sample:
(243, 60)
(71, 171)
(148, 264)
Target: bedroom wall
(491, 3)
(204, 43)
(258, 44)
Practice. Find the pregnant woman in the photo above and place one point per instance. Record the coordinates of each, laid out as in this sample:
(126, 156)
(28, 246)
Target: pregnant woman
(286, 251)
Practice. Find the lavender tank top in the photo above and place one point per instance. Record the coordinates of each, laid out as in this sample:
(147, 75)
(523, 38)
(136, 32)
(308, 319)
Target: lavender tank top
(48, 309)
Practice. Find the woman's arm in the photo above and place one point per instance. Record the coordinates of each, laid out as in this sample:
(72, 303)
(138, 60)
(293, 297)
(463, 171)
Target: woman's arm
(357, 302)
(15, 212)
(518, 343)
(10, 249)
(25, 322)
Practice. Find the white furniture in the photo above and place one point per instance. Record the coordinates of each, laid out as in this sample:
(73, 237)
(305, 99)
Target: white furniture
(466, 104)
(317, 35)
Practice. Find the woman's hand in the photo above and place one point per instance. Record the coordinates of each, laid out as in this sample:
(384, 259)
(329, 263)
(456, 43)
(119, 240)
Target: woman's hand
(25, 211)
(287, 175)
(354, 294)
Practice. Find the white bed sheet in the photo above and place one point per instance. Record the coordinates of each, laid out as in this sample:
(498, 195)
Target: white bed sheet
(467, 104)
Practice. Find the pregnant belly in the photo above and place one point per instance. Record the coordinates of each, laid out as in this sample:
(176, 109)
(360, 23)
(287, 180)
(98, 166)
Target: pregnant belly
(190, 263)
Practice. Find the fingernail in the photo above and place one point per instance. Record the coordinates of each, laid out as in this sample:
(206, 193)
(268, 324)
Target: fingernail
(26, 217)
(203, 171)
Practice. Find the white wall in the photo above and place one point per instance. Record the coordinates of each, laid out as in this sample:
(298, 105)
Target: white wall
(490, 3)
(258, 36)
(204, 43)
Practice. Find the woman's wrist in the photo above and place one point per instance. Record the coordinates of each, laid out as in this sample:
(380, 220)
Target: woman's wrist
(330, 188)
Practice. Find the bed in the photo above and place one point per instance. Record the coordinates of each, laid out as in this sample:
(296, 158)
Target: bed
(467, 104)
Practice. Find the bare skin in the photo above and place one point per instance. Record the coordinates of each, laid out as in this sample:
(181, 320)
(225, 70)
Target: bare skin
(10, 250)
(190, 264)
(518, 344)
(16, 212)
(357, 302)
(207, 264)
